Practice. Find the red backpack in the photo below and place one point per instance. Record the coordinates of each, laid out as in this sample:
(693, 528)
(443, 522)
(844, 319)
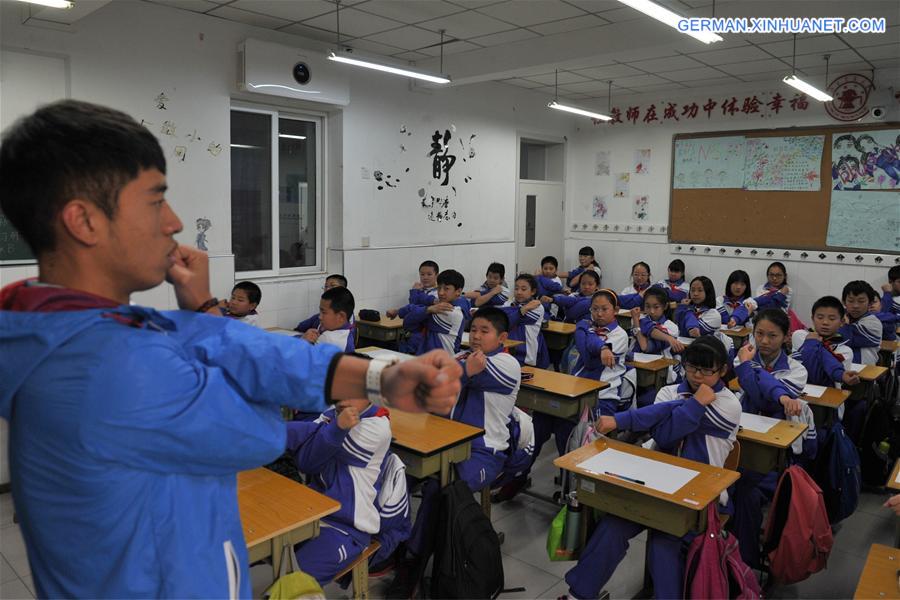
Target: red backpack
(714, 568)
(797, 537)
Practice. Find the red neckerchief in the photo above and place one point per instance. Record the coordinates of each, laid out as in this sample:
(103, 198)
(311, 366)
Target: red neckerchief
(602, 332)
(673, 286)
(770, 291)
(732, 302)
(641, 288)
(827, 345)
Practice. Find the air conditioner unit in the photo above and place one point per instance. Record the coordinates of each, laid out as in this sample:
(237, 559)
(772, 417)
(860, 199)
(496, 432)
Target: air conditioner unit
(277, 70)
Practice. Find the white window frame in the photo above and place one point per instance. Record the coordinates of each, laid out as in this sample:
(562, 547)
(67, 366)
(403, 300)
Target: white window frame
(277, 271)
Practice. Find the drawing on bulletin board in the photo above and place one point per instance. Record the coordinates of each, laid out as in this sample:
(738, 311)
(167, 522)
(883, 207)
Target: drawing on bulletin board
(869, 220)
(601, 166)
(784, 163)
(642, 161)
(866, 160)
(621, 189)
(716, 162)
(641, 212)
(600, 207)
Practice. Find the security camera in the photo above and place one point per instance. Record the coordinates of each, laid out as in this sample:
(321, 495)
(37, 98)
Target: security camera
(878, 113)
(301, 73)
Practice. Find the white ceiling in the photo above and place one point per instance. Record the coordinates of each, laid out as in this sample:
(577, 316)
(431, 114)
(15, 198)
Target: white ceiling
(523, 42)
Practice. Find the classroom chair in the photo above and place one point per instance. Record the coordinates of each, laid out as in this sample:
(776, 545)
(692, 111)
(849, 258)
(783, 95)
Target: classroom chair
(359, 570)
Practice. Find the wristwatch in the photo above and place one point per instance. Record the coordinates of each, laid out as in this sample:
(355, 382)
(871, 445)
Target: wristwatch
(373, 379)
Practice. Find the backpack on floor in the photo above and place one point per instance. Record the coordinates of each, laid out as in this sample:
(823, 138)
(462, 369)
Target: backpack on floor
(837, 473)
(797, 536)
(467, 559)
(714, 568)
(878, 445)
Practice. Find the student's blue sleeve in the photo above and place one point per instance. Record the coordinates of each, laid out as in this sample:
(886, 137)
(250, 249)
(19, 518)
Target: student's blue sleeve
(314, 444)
(566, 301)
(420, 297)
(653, 345)
(762, 390)
(629, 301)
(531, 317)
(415, 316)
(548, 286)
(865, 333)
(404, 310)
(776, 300)
(513, 314)
(645, 418)
(499, 376)
(813, 355)
(739, 314)
(888, 304)
(686, 319)
(310, 323)
(681, 422)
(588, 344)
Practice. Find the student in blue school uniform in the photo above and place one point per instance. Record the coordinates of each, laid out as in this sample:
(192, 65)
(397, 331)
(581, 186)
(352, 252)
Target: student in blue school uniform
(861, 328)
(332, 281)
(341, 453)
(586, 262)
(576, 307)
(549, 284)
(731, 304)
(675, 285)
(422, 293)
(490, 383)
(633, 295)
(335, 309)
(823, 351)
(654, 333)
(771, 384)
(890, 301)
(697, 314)
(602, 346)
(245, 297)
(888, 320)
(493, 292)
(774, 293)
(441, 323)
(696, 419)
(526, 314)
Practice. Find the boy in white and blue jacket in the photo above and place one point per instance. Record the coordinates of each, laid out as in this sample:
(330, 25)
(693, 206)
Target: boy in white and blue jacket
(824, 351)
(696, 419)
(342, 454)
(332, 281)
(526, 314)
(890, 301)
(863, 329)
(697, 315)
(493, 292)
(675, 285)
(548, 284)
(335, 310)
(441, 324)
(423, 293)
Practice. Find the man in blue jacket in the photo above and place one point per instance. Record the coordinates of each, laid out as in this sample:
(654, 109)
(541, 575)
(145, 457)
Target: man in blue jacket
(128, 425)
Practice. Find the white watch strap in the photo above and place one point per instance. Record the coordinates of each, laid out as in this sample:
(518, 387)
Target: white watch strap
(373, 380)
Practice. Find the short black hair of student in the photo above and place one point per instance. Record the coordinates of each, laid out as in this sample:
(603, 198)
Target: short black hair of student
(586, 251)
(592, 275)
(828, 302)
(497, 268)
(432, 264)
(708, 289)
(855, 288)
(781, 266)
(550, 259)
(894, 273)
(532, 282)
(641, 263)
(776, 316)
(70, 149)
(254, 294)
(341, 300)
(493, 315)
(677, 265)
(706, 352)
(451, 277)
(339, 277)
(660, 294)
(608, 294)
(738, 277)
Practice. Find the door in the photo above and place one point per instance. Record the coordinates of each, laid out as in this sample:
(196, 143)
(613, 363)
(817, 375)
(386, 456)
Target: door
(539, 226)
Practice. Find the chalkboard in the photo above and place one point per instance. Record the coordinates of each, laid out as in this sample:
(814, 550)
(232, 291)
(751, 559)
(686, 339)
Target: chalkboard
(13, 248)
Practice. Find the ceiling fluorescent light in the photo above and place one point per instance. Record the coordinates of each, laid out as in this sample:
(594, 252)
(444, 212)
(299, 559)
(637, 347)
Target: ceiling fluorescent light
(292, 137)
(579, 111)
(660, 13)
(368, 64)
(245, 146)
(794, 81)
(51, 3)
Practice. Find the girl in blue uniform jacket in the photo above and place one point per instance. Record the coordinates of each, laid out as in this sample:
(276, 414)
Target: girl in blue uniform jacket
(696, 419)
(731, 304)
(775, 292)
(577, 306)
(633, 295)
(697, 315)
(602, 346)
(526, 314)
(586, 263)
(654, 333)
(675, 285)
(771, 382)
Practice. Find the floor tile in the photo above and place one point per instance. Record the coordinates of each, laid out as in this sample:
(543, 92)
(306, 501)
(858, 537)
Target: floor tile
(7, 573)
(517, 573)
(13, 548)
(15, 590)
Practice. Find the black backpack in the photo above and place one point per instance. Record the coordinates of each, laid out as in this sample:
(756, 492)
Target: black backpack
(467, 559)
(879, 445)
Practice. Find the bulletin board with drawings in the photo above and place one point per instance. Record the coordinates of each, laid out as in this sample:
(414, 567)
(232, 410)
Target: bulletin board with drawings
(835, 188)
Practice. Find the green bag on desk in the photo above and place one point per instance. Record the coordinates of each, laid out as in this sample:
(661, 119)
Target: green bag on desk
(555, 538)
(292, 583)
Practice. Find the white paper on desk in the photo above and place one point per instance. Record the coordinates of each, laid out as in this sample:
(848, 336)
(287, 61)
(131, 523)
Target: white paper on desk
(857, 367)
(727, 329)
(289, 332)
(387, 354)
(897, 478)
(645, 358)
(685, 340)
(814, 391)
(757, 423)
(656, 475)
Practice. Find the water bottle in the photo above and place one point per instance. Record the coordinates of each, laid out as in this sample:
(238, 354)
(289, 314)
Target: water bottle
(573, 524)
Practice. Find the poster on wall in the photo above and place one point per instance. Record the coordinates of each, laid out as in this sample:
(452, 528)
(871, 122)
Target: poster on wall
(641, 209)
(621, 188)
(784, 163)
(866, 160)
(641, 164)
(600, 207)
(869, 220)
(709, 163)
(601, 163)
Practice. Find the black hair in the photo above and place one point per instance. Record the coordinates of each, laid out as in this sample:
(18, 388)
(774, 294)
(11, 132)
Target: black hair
(677, 265)
(341, 300)
(894, 273)
(254, 294)
(430, 263)
(340, 278)
(658, 293)
(70, 149)
(532, 282)
(829, 302)
(776, 316)
(451, 277)
(493, 315)
(588, 251)
(708, 288)
(706, 352)
(738, 277)
(781, 266)
(856, 142)
(592, 274)
(497, 268)
(550, 259)
(855, 288)
(608, 294)
(641, 263)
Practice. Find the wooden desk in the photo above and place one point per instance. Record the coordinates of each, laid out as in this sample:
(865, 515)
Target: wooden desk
(653, 373)
(558, 335)
(868, 375)
(826, 405)
(558, 394)
(739, 336)
(764, 452)
(879, 575)
(676, 513)
(887, 352)
(464, 342)
(892, 483)
(276, 511)
(385, 330)
(383, 352)
(428, 444)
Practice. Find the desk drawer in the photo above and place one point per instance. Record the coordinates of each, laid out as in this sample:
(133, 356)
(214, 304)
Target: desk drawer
(548, 403)
(376, 333)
